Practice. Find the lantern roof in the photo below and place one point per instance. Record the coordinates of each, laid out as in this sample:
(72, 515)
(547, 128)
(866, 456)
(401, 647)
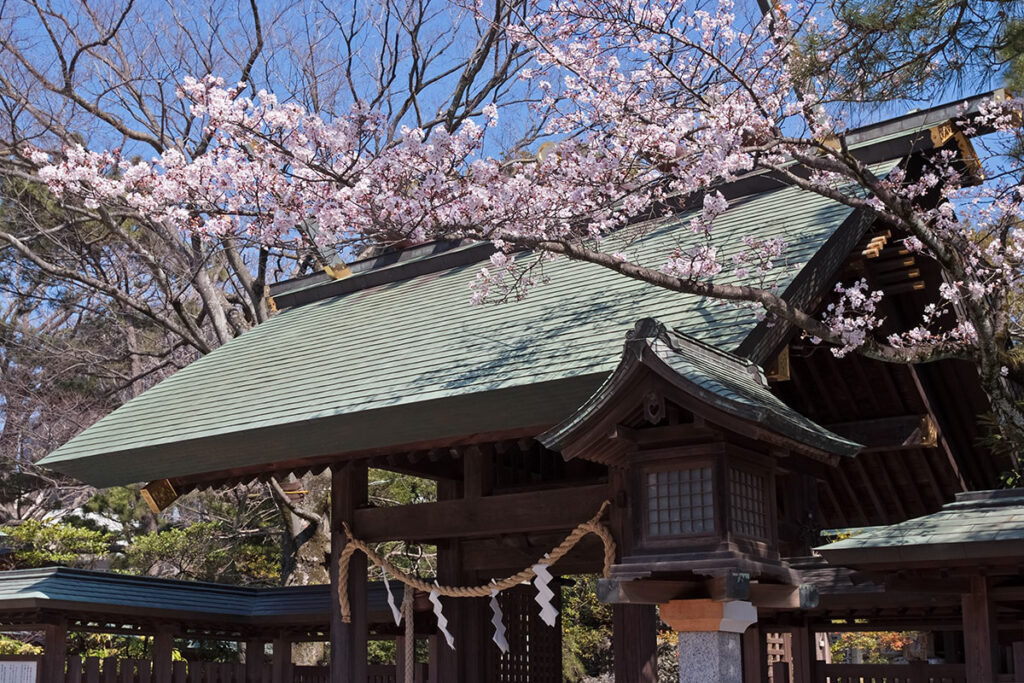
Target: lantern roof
(720, 384)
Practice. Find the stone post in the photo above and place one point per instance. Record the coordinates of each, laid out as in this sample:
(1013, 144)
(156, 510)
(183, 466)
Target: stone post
(709, 638)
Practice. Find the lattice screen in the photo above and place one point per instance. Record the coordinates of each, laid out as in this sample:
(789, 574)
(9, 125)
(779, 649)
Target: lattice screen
(680, 502)
(747, 510)
(535, 649)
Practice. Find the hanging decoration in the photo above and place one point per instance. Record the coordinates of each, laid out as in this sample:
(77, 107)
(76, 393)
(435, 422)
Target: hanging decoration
(442, 621)
(539, 572)
(498, 619)
(541, 582)
(391, 600)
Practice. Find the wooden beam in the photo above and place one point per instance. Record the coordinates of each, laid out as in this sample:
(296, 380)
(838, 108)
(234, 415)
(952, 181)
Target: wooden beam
(781, 596)
(545, 510)
(674, 435)
(890, 433)
(647, 591)
(732, 586)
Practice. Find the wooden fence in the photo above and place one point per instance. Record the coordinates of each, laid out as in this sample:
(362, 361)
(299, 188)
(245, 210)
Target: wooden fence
(113, 670)
(915, 672)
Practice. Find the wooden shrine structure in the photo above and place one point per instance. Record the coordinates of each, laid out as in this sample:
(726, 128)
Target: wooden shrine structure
(56, 601)
(719, 445)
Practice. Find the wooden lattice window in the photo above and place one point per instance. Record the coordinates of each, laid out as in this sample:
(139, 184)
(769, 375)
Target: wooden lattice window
(747, 510)
(680, 502)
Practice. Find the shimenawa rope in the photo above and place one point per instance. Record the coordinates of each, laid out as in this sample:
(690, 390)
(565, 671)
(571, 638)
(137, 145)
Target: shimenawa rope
(591, 526)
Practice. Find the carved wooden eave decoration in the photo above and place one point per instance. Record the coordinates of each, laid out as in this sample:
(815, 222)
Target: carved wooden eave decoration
(723, 392)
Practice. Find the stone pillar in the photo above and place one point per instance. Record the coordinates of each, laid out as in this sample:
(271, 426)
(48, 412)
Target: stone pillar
(709, 638)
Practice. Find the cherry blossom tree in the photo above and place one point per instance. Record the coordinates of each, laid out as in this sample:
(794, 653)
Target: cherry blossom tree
(155, 292)
(647, 107)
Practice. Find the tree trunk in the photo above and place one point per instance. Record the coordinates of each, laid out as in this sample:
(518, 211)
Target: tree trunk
(307, 549)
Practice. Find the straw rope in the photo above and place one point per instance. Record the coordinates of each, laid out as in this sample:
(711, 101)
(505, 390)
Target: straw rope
(591, 526)
(409, 653)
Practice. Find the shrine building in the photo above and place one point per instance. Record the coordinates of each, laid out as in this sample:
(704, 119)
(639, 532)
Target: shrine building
(691, 453)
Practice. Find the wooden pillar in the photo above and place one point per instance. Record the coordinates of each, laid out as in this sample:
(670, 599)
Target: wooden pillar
(449, 572)
(635, 643)
(348, 641)
(980, 635)
(163, 647)
(55, 651)
(281, 667)
(804, 652)
(433, 645)
(755, 659)
(400, 659)
(255, 658)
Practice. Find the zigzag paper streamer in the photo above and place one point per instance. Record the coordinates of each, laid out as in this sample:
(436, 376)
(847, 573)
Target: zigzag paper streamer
(544, 594)
(497, 618)
(442, 622)
(397, 613)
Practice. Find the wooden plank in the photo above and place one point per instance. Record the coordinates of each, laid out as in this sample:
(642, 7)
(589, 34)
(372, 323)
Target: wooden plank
(109, 670)
(74, 670)
(545, 510)
(92, 670)
(635, 643)
(179, 672)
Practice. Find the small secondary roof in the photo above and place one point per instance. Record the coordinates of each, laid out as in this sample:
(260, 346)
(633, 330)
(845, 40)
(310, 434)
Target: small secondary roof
(979, 526)
(715, 378)
(102, 593)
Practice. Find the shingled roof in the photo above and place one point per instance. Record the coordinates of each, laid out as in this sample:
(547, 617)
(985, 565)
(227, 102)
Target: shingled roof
(978, 527)
(85, 591)
(401, 358)
(715, 378)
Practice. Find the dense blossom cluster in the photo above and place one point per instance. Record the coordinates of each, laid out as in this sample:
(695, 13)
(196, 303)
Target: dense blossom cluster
(648, 105)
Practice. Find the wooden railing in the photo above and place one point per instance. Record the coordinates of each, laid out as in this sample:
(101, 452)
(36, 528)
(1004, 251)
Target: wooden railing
(113, 670)
(914, 672)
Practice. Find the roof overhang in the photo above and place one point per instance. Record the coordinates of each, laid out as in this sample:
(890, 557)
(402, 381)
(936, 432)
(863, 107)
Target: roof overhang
(722, 388)
(304, 444)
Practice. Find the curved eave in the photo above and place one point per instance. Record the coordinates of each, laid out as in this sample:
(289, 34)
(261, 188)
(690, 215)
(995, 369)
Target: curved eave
(772, 424)
(600, 402)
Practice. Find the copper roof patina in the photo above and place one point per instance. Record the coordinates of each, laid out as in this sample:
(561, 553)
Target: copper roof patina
(405, 358)
(978, 526)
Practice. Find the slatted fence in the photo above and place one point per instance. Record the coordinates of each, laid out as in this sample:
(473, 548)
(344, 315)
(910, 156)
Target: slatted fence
(915, 672)
(113, 670)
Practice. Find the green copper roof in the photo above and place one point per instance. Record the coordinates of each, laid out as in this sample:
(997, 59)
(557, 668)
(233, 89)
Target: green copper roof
(715, 378)
(102, 592)
(978, 525)
(411, 360)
